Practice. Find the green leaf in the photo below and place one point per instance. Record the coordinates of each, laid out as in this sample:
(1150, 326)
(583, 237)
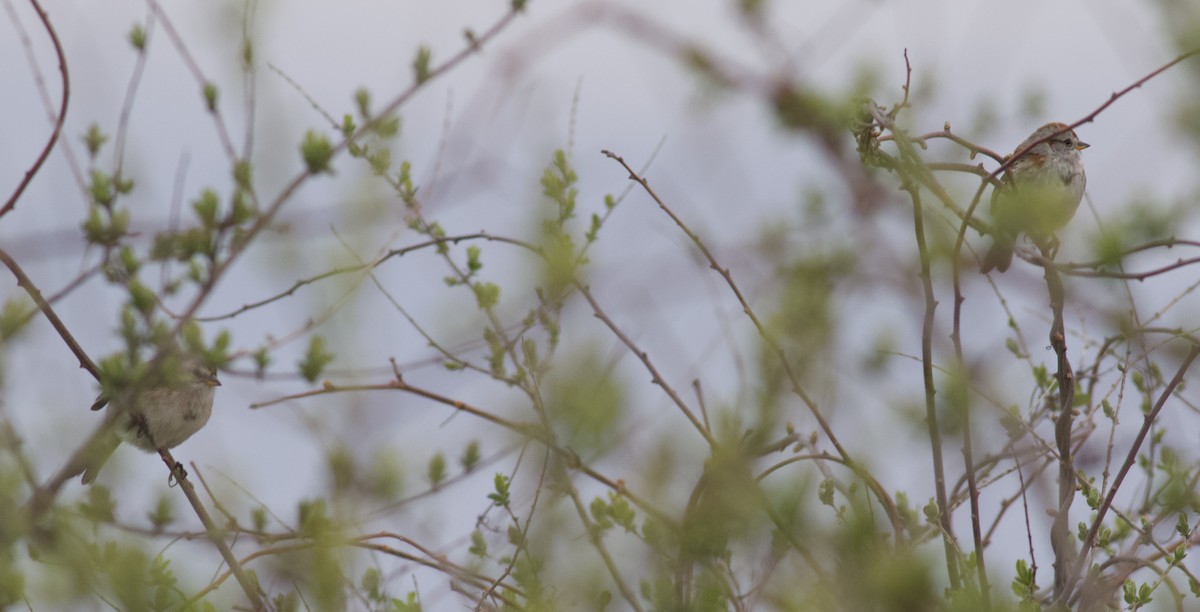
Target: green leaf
(825, 492)
(160, 572)
(380, 161)
(479, 546)
(1108, 247)
(100, 505)
(123, 185)
(94, 139)
(600, 513)
(421, 63)
(206, 208)
(241, 211)
(210, 97)
(530, 348)
(162, 515)
(501, 496)
(371, 583)
(262, 359)
(594, 229)
(486, 294)
(436, 471)
(193, 337)
(102, 190)
(313, 518)
(496, 351)
(387, 127)
(471, 456)
(315, 359)
(258, 518)
(362, 101)
(409, 604)
(316, 152)
(98, 230)
(13, 317)
(473, 263)
(141, 297)
(243, 173)
(137, 37)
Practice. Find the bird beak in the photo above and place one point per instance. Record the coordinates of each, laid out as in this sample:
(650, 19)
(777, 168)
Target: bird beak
(1081, 145)
(213, 382)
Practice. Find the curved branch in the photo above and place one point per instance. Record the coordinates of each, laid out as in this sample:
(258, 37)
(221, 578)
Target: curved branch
(62, 112)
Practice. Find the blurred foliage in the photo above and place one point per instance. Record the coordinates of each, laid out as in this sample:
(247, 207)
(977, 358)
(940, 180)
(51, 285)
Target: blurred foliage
(589, 462)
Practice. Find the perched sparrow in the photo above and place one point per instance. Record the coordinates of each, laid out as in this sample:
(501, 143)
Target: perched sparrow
(1042, 190)
(161, 416)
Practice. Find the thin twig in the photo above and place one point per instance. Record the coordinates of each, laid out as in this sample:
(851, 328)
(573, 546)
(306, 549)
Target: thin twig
(357, 268)
(877, 489)
(198, 74)
(642, 355)
(135, 79)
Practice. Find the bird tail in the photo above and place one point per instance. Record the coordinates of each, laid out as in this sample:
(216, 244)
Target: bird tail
(998, 258)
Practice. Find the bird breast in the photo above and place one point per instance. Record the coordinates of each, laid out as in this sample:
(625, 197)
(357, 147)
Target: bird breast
(171, 416)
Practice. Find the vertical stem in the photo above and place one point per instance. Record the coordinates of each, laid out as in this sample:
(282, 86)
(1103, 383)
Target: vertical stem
(967, 448)
(1061, 539)
(935, 436)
